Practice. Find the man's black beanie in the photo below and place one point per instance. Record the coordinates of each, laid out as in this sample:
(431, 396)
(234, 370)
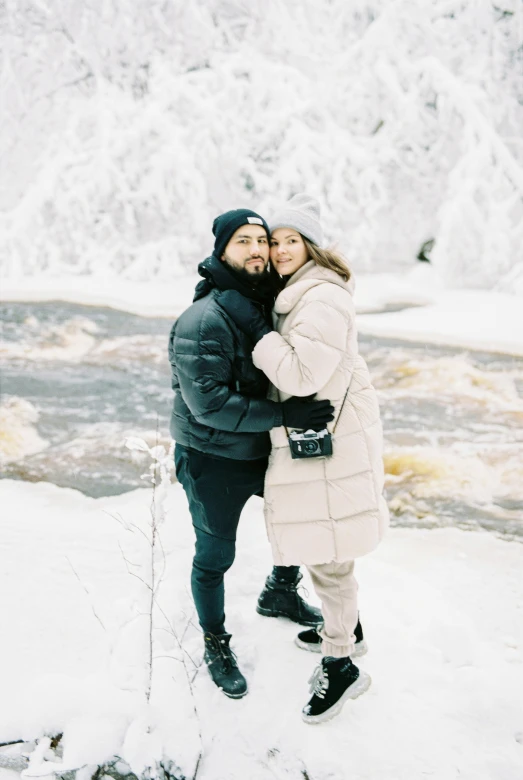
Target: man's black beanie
(226, 224)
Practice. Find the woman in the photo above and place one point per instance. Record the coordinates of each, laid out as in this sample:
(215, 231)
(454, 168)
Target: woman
(320, 511)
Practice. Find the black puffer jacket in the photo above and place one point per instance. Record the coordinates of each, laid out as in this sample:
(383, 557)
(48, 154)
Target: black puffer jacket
(220, 402)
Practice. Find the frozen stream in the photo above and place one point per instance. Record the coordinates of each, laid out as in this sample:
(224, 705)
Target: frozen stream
(77, 380)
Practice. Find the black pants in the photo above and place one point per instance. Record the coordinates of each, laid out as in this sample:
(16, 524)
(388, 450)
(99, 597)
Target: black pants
(217, 490)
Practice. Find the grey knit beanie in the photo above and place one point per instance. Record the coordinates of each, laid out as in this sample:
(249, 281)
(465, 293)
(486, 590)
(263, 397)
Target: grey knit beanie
(302, 213)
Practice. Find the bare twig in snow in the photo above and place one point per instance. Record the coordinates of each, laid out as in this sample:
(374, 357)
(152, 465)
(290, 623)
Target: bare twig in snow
(87, 592)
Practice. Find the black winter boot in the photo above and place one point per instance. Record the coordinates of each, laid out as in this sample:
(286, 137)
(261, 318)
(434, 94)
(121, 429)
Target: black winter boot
(334, 681)
(222, 666)
(311, 640)
(280, 598)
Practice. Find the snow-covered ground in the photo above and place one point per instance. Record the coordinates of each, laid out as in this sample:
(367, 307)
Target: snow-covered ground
(442, 612)
(155, 299)
(475, 319)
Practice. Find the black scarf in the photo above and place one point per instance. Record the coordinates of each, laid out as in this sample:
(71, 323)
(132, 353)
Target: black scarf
(217, 275)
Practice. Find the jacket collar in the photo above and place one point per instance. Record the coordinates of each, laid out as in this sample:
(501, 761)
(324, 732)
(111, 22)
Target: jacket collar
(217, 275)
(308, 276)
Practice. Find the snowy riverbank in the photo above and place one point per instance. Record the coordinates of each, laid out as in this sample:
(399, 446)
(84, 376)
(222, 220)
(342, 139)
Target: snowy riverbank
(412, 306)
(442, 611)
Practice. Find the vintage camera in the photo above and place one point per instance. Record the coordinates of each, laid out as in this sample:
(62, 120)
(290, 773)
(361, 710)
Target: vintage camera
(310, 444)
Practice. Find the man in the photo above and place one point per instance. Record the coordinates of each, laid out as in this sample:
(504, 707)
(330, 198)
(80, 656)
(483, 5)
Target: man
(220, 421)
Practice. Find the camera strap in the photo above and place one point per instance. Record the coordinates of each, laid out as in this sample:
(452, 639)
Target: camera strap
(341, 407)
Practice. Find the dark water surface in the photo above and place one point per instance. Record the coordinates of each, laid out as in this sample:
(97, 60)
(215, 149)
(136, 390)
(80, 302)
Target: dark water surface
(77, 380)
(88, 399)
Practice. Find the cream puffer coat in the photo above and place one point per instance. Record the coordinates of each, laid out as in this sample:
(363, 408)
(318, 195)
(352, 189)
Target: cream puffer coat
(328, 509)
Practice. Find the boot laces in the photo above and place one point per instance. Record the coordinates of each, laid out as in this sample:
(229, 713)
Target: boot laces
(319, 682)
(224, 652)
(302, 589)
(293, 587)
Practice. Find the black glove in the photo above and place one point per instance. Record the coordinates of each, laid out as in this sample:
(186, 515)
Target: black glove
(303, 414)
(244, 314)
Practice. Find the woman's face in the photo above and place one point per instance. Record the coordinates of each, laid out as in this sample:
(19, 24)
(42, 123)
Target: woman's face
(288, 252)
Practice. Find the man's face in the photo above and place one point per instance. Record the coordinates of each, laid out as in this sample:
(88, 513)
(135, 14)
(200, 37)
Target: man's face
(248, 250)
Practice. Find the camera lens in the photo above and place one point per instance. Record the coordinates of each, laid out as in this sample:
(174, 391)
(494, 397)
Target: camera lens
(310, 447)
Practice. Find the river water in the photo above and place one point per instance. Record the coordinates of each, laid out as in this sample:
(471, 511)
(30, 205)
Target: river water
(77, 381)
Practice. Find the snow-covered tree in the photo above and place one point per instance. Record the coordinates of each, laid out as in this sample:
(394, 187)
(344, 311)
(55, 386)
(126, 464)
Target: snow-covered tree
(128, 125)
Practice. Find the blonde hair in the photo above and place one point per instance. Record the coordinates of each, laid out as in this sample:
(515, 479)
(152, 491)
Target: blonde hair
(327, 258)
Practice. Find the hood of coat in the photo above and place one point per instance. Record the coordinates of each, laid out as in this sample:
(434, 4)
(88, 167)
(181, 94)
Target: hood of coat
(310, 275)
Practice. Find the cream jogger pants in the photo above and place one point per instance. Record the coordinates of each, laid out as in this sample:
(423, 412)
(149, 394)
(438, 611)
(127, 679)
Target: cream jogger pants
(337, 588)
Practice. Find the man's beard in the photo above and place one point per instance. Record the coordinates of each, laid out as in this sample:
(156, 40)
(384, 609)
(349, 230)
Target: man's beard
(254, 279)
